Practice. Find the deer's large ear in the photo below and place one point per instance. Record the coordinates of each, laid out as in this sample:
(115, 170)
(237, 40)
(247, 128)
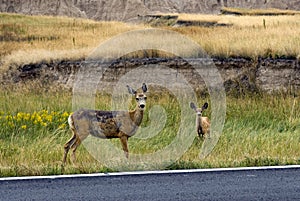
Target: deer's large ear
(131, 90)
(193, 106)
(205, 106)
(144, 88)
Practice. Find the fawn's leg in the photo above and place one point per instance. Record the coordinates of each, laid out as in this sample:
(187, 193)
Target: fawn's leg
(200, 132)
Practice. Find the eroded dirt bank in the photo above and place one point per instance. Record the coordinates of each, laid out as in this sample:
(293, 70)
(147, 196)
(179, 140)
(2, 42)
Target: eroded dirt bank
(239, 74)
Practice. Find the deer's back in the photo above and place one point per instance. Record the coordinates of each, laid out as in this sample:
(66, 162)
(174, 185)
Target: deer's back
(103, 124)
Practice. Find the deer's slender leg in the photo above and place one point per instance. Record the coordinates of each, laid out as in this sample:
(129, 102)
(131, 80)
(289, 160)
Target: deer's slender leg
(200, 132)
(74, 147)
(67, 147)
(208, 134)
(124, 142)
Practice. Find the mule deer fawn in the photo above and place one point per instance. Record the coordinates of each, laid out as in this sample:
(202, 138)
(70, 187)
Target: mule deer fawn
(106, 124)
(202, 123)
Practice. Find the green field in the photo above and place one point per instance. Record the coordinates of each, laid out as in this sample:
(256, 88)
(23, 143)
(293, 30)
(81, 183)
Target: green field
(259, 130)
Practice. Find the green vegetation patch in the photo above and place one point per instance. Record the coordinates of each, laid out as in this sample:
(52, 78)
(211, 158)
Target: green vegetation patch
(259, 130)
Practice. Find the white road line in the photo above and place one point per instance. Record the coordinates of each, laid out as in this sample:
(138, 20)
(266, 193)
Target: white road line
(149, 173)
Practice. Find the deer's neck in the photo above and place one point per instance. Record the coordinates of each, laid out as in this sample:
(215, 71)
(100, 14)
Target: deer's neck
(137, 116)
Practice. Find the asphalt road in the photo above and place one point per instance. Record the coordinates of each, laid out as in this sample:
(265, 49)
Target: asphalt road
(266, 184)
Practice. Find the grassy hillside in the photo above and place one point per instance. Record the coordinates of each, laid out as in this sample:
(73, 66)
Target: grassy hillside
(30, 39)
(246, 36)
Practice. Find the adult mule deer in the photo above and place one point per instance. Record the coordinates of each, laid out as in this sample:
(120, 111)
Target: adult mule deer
(106, 124)
(202, 123)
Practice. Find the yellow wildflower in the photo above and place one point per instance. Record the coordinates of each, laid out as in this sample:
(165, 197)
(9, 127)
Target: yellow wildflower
(62, 126)
(9, 117)
(65, 114)
(39, 118)
(26, 117)
(49, 118)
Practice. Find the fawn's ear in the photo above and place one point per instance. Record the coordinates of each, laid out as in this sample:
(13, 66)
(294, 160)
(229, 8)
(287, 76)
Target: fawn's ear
(193, 106)
(144, 88)
(205, 106)
(131, 90)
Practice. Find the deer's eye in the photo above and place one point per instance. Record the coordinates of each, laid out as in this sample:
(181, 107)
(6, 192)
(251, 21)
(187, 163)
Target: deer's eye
(145, 98)
(137, 99)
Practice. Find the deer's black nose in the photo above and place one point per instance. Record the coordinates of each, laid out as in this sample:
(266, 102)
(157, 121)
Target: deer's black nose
(142, 106)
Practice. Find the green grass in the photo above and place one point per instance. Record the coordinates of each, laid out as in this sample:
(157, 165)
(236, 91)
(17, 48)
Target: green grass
(259, 130)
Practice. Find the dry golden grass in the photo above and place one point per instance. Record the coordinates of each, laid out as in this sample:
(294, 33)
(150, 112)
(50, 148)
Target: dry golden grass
(247, 36)
(253, 12)
(197, 17)
(30, 39)
(27, 39)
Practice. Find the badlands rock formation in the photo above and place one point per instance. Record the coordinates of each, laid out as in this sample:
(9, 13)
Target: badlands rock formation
(42, 7)
(128, 9)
